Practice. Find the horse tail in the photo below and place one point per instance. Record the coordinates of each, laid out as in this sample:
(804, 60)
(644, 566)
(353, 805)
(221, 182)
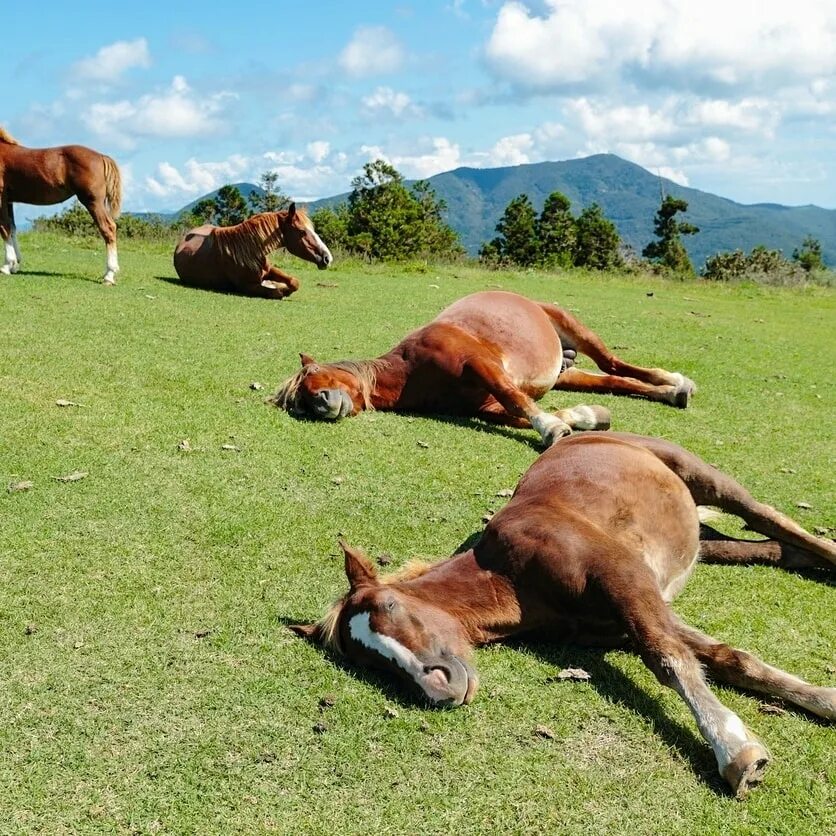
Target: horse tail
(113, 186)
(710, 486)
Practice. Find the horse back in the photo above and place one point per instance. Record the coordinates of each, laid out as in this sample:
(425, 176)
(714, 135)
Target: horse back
(44, 176)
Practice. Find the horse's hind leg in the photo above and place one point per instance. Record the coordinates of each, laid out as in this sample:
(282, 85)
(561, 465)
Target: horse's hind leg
(709, 486)
(632, 590)
(7, 232)
(107, 228)
(743, 670)
(619, 378)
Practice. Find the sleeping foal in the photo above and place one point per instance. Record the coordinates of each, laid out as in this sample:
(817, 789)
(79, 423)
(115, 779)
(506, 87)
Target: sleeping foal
(601, 533)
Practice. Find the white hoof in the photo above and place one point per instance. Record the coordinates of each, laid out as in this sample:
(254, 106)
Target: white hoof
(6, 270)
(109, 279)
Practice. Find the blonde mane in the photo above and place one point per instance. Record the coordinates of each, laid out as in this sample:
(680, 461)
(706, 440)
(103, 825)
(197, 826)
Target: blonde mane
(6, 137)
(365, 372)
(247, 243)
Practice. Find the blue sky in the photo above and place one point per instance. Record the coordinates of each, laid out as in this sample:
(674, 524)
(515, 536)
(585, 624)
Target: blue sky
(738, 98)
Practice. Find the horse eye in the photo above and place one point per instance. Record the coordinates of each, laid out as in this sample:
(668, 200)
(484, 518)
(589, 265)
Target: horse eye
(390, 605)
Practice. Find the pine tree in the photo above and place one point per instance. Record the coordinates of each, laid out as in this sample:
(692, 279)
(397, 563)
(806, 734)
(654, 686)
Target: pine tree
(669, 250)
(809, 256)
(517, 240)
(557, 232)
(271, 198)
(230, 206)
(597, 241)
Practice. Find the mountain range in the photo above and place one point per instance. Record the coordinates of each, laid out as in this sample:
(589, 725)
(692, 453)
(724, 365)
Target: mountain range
(629, 196)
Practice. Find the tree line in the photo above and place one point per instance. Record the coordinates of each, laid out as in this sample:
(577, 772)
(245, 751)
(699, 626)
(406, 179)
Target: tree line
(385, 219)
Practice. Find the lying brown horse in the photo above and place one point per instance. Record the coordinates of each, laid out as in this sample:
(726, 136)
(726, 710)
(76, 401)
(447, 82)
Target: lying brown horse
(51, 175)
(489, 355)
(234, 258)
(601, 533)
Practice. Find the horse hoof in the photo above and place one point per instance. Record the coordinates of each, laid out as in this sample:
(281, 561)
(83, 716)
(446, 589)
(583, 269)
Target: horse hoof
(746, 769)
(109, 282)
(683, 390)
(6, 270)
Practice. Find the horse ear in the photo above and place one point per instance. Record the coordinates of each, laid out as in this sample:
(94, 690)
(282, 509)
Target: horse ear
(291, 210)
(311, 632)
(358, 568)
(306, 359)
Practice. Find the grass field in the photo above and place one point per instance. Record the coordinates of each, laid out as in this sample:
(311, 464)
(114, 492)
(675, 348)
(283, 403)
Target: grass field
(149, 683)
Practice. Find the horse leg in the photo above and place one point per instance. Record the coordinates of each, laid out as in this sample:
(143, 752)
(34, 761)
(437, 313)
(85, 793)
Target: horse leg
(577, 417)
(632, 590)
(743, 670)
(519, 405)
(660, 385)
(281, 279)
(7, 232)
(709, 486)
(107, 228)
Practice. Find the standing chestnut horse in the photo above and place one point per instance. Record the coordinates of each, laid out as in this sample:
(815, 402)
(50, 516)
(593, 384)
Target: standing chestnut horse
(50, 175)
(601, 533)
(234, 258)
(489, 355)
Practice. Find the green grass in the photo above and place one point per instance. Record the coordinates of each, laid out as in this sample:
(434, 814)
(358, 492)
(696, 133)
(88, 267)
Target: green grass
(157, 690)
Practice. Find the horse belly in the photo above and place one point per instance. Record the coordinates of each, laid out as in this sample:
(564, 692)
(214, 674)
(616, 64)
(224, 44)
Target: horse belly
(521, 331)
(195, 258)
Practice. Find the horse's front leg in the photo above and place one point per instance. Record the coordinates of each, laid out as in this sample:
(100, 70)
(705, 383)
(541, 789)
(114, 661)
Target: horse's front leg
(520, 407)
(632, 590)
(11, 263)
(284, 282)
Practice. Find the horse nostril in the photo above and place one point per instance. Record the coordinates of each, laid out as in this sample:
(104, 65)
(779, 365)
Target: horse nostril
(442, 669)
(322, 395)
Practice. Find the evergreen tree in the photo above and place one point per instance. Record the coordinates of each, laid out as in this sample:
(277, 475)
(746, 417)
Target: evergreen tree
(272, 199)
(386, 220)
(517, 240)
(668, 250)
(332, 226)
(809, 256)
(556, 231)
(597, 240)
(230, 206)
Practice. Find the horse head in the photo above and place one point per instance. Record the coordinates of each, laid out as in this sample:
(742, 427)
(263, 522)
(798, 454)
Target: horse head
(301, 239)
(327, 391)
(379, 624)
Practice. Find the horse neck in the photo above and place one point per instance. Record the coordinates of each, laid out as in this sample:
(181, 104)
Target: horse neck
(268, 231)
(389, 374)
(483, 601)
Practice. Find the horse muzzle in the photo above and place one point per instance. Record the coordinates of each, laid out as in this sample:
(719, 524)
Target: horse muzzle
(325, 259)
(449, 681)
(331, 404)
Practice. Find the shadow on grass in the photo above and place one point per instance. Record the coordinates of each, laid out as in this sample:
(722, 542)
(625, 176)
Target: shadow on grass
(607, 680)
(186, 284)
(55, 275)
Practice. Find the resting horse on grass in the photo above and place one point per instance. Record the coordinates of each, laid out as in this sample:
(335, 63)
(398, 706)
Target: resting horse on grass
(234, 258)
(601, 533)
(489, 355)
(51, 175)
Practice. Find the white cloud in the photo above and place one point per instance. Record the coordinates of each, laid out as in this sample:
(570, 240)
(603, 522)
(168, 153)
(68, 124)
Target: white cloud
(112, 61)
(629, 123)
(175, 112)
(374, 50)
(196, 177)
(442, 155)
(671, 43)
(388, 102)
(318, 150)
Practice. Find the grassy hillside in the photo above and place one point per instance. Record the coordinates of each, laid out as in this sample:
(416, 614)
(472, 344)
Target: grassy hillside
(149, 682)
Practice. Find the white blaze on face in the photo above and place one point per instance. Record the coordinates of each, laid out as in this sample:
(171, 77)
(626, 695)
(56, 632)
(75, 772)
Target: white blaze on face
(360, 629)
(323, 250)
